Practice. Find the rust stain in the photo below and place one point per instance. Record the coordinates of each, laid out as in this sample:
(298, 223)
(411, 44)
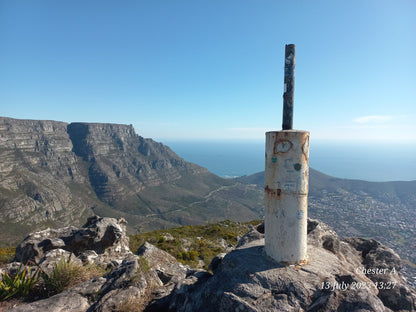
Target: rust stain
(305, 147)
(274, 193)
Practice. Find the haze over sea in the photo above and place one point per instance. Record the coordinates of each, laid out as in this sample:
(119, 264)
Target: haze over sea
(370, 161)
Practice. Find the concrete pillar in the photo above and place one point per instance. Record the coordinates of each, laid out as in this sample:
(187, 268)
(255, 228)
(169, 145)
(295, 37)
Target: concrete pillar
(286, 195)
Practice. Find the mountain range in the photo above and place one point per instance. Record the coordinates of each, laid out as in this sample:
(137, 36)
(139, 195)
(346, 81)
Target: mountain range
(54, 174)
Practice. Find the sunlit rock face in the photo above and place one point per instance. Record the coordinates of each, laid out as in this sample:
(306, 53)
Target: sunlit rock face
(56, 174)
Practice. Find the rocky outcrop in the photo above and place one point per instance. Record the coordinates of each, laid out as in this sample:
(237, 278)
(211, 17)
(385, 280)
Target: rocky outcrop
(126, 288)
(102, 241)
(332, 279)
(129, 282)
(381, 265)
(166, 266)
(340, 275)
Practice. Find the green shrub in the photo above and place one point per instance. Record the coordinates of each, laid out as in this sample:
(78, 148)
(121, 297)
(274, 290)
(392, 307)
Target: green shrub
(144, 264)
(191, 255)
(20, 284)
(207, 247)
(161, 239)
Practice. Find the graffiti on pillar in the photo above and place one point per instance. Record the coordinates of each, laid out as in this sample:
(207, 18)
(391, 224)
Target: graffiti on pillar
(282, 146)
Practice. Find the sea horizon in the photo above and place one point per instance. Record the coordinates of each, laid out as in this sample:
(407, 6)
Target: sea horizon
(369, 161)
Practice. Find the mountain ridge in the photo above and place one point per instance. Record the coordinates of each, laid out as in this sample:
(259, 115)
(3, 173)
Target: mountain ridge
(57, 173)
(48, 179)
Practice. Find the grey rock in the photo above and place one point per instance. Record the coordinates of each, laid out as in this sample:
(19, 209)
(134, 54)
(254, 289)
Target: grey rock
(91, 289)
(89, 257)
(52, 257)
(223, 244)
(164, 264)
(12, 267)
(216, 261)
(106, 237)
(181, 298)
(128, 281)
(116, 299)
(34, 246)
(339, 275)
(246, 279)
(68, 302)
(382, 265)
(251, 236)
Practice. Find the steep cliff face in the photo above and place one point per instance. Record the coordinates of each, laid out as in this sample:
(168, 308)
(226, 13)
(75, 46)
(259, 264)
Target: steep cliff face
(37, 170)
(53, 174)
(121, 163)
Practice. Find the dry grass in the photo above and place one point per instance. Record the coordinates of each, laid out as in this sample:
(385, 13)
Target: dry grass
(136, 304)
(66, 274)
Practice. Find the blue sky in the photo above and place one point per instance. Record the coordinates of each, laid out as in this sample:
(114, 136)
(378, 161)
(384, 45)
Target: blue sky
(213, 69)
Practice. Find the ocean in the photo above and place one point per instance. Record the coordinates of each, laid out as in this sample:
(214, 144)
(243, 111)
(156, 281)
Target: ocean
(364, 161)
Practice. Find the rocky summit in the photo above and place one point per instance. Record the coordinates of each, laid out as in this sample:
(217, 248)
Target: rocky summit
(54, 174)
(340, 275)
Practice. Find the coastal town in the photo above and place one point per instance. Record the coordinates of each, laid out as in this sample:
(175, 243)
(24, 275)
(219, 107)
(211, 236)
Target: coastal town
(380, 216)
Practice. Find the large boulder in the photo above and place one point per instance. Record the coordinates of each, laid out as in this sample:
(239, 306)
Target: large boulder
(104, 237)
(131, 283)
(166, 266)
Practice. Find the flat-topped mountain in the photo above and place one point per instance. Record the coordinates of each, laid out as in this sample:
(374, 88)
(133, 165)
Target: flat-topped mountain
(53, 174)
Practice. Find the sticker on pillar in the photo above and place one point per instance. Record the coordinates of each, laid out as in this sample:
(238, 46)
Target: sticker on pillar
(274, 159)
(299, 214)
(297, 166)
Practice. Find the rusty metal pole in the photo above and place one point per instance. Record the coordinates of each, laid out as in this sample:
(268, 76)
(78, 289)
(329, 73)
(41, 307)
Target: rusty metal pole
(286, 182)
(288, 95)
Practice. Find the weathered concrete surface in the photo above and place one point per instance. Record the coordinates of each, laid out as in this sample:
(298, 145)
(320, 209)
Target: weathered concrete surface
(286, 195)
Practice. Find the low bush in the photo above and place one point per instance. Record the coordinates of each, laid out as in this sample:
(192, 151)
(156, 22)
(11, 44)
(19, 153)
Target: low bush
(191, 243)
(20, 284)
(6, 254)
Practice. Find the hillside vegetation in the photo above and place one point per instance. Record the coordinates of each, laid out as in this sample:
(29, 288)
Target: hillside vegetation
(195, 245)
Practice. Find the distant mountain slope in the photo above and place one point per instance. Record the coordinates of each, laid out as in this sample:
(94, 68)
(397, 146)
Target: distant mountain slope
(318, 181)
(54, 174)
